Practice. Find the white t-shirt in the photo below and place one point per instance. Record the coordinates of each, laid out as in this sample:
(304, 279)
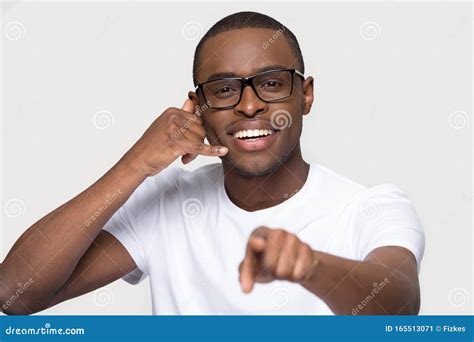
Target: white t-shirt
(184, 232)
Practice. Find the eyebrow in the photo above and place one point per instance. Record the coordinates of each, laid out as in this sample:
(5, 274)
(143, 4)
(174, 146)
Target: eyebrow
(233, 74)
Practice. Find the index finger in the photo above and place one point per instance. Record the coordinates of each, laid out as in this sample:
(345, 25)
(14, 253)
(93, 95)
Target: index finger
(208, 150)
(249, 266)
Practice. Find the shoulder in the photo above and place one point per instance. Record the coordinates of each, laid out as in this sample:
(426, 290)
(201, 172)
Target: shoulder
(380, 199)
(351, 193)
(333, 189)
(336, 181)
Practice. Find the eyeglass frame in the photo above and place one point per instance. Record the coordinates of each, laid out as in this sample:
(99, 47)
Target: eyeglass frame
(244, 81)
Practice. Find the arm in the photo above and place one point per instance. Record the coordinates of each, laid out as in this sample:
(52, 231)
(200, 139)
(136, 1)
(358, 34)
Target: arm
(105, 261)
(49, 251)
(63, 253)
(385, 283)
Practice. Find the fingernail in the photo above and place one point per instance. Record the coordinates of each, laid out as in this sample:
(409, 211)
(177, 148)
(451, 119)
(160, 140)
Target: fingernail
(223, 150)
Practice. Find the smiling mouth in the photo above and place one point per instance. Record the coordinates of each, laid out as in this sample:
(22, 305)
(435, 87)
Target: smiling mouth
(250, 134)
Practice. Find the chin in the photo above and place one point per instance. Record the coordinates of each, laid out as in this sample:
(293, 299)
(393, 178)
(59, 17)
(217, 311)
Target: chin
(253, 168)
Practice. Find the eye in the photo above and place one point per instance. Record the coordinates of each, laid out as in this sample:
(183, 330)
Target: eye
(224, 90)
(270, 84)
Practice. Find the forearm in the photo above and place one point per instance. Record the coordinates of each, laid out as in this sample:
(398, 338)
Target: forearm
(50, 249)
(351, 287)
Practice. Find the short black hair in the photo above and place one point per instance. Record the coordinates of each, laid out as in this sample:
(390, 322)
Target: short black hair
(248, 20)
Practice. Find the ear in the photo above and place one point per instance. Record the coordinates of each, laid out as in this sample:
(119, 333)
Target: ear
(195, 98)
(308, 94)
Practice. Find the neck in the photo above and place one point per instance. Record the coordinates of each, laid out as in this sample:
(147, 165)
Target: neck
(260, 192)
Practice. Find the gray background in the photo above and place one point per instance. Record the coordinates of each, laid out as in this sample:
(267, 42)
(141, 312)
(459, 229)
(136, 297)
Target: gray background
(82, 81)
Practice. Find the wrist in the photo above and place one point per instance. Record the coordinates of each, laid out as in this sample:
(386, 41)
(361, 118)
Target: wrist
(312, 271)
(131, 170)
(139, 161)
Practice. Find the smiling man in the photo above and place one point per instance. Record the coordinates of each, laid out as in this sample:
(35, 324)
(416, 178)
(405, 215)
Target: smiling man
(262, 232)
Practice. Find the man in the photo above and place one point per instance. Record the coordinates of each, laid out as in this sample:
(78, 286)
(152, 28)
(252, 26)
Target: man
(263, 232)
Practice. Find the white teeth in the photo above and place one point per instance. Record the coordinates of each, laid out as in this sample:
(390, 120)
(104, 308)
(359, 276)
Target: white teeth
(251, 133)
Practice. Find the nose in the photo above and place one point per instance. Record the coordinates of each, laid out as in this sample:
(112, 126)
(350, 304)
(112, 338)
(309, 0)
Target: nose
(250, 105)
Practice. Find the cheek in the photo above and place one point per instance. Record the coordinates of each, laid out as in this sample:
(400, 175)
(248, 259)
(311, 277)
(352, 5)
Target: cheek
(293, 126)
(293, 134)
(215, 124)
(210, 131)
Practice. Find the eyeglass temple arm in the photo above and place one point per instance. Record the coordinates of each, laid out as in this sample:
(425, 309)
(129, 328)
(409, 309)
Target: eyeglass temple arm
(299, 73)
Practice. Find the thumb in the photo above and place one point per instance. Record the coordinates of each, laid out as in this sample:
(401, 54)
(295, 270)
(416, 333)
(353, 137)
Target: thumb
(188, 106)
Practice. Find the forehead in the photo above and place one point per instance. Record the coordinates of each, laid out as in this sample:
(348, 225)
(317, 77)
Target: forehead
(244, 52)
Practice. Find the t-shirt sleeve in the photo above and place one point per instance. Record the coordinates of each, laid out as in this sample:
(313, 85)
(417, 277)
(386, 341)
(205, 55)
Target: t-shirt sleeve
(134, 224)
(384, 216)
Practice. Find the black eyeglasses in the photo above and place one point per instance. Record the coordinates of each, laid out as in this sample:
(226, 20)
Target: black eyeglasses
(269, 86)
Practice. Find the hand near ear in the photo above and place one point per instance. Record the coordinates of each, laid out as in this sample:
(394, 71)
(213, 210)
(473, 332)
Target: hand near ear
(175, 133)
